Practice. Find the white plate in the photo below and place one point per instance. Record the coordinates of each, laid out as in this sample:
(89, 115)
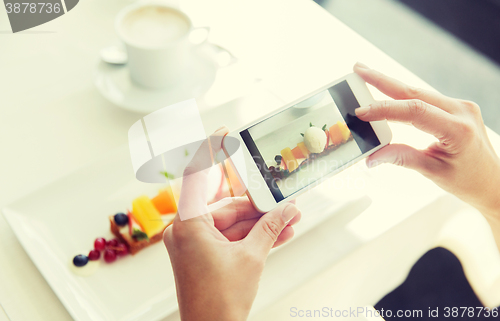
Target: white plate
(63, 219)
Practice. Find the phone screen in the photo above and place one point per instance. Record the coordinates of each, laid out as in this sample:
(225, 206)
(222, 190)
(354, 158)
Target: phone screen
(309, 140)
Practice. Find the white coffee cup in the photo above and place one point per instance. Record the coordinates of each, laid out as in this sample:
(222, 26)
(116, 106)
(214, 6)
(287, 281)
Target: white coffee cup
(156, 37)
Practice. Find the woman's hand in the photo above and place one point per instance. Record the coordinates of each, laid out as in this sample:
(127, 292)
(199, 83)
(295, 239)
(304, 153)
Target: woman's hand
(218, 257)
(463, 161)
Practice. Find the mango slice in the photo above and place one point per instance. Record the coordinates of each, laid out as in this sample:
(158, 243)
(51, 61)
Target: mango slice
(289, 159)
(147, 216)
(297, 152)
(336, 134)
(304, 149)
(346, 133)
(165, 201)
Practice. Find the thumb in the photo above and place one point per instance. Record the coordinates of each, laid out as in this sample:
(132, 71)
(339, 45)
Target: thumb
(403, 155)
(192, 201)
(265, 232)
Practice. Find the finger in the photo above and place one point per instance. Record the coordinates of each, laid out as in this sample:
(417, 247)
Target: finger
(285, 236)
(167, 237)
(220, 195)
(266, 231)
(206, 153)
(423, 116)
(192, 201)
(241, 229)
(399, 90)
(295, 219)
(406, 156)
(239, 210)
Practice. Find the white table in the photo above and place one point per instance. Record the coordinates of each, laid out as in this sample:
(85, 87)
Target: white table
(53, 121)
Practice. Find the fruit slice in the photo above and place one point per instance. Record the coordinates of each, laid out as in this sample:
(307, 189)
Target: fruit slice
(130, 222)
(346, 133)
(327, 138)
(283, 164)
(147, 216)
(289, 159)
(165, 201)
(304, 149)
(336, 134)
(297, 152)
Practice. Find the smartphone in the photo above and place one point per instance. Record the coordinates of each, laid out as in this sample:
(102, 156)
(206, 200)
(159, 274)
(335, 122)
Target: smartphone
(298, 146)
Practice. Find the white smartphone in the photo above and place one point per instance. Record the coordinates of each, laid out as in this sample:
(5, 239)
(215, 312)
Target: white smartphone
(300, 145)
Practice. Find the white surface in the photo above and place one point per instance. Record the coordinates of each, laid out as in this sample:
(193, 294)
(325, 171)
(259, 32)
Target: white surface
(181, 121)
(52, 230)
(3, 316)
(367, 271)
(53, 121)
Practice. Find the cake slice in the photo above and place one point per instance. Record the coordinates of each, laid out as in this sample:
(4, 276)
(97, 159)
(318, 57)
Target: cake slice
(145, 224)
(135, 244)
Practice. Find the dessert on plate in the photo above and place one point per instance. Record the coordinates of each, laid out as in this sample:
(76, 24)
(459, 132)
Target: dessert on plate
(317, 142)
(144, 224)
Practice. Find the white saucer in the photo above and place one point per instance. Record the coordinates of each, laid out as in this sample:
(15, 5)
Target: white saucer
(114, 84)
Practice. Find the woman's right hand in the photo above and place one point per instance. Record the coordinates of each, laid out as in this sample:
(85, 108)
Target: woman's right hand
(462, 162)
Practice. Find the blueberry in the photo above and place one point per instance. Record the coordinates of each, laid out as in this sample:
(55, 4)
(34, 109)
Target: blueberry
(80, 260)
(278, 159)
(121, 219)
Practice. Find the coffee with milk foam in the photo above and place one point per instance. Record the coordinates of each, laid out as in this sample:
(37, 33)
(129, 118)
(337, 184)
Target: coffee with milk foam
(154, 26)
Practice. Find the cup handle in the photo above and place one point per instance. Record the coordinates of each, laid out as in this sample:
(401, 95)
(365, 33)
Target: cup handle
(223, 57)
(199, 35)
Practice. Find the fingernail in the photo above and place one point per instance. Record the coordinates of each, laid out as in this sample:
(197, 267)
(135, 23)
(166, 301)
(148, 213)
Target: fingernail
(362, 65)
(289, 212)
(361, 111)
(371, 163)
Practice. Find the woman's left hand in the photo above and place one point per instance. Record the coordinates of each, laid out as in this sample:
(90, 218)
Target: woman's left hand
(218, 257)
